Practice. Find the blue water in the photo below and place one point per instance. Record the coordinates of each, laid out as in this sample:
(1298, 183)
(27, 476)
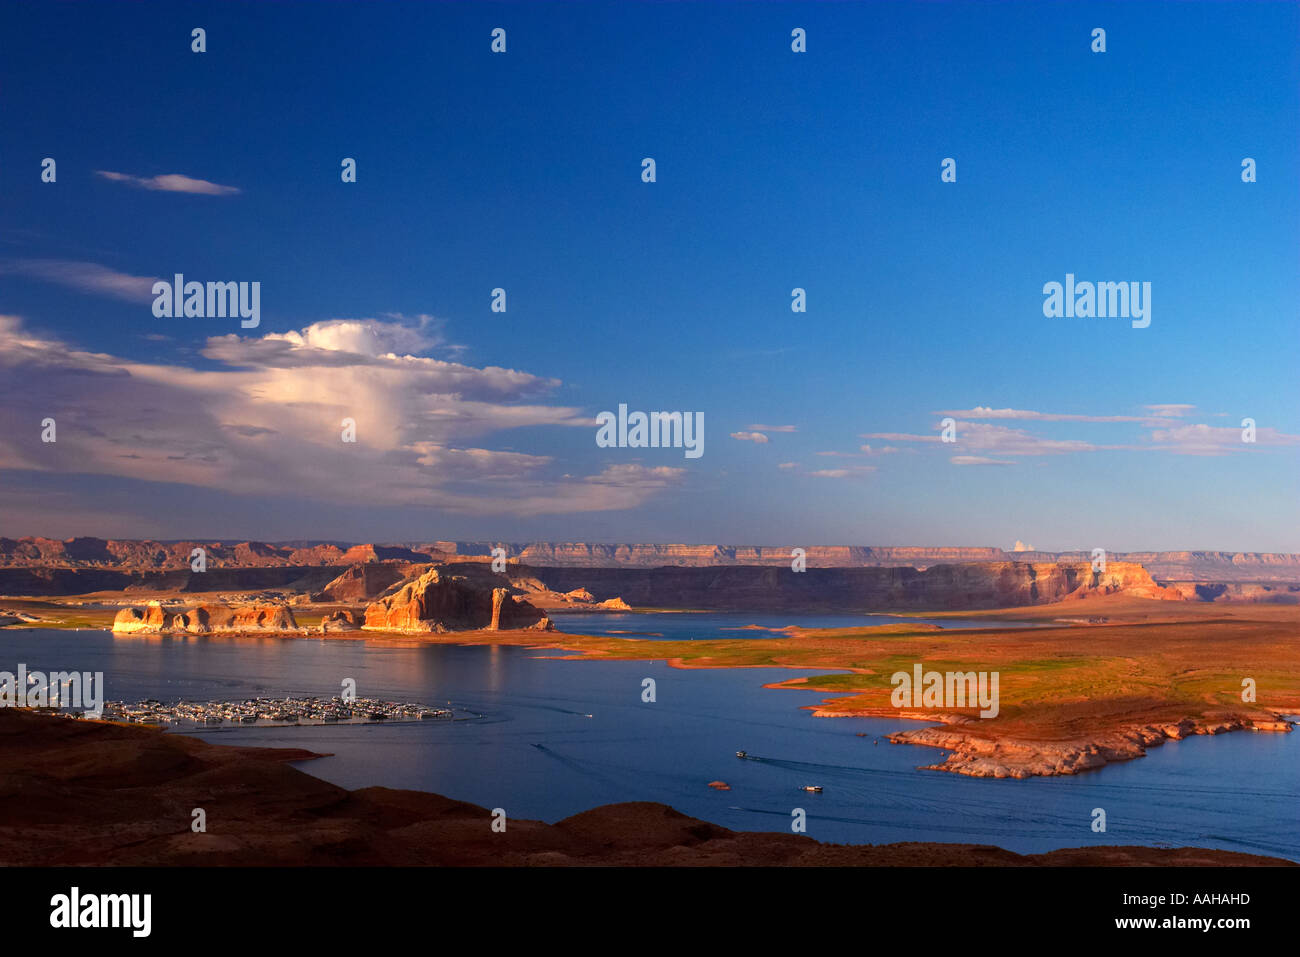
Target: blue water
(537, 754)
(677, 626)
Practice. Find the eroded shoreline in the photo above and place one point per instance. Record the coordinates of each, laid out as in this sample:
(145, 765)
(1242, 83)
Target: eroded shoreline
(1076, 697)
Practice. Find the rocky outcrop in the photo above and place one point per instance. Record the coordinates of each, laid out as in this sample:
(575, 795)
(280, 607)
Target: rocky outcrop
(205, 619)
(365, 581)
(383, 553)
(342, 620)
(151, 619)
(579, 599)
(439, 601)
(1273, 594)
(8, 617)
(977, 755)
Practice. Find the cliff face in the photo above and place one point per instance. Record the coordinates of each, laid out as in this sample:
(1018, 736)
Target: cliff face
(205, 619)
(438, 601)
(941, 587)
(142, 556)
(113, 553)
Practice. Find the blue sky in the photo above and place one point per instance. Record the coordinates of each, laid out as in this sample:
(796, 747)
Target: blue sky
(774, 170)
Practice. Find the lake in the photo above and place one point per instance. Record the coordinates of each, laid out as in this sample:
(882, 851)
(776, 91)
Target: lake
(535, 752)
(698, 626)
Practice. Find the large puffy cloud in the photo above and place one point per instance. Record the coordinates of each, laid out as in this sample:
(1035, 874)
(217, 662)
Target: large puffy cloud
(268, 420)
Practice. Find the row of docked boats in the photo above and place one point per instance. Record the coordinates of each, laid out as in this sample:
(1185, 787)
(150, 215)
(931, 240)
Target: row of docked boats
(270, 711)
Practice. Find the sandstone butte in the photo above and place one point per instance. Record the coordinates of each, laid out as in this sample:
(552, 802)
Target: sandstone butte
(438, 601)
(205, 619)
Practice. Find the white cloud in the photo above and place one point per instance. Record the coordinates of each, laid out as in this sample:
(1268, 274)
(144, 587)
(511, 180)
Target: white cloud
(170, 183)
(773, 428)
(269, 422)
(757, 437)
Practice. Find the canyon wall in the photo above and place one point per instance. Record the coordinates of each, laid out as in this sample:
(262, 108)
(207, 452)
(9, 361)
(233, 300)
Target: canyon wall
(942, 587)
(141, 556)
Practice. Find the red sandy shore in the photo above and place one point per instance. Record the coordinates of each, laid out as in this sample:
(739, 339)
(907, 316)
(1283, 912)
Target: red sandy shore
(95, 793)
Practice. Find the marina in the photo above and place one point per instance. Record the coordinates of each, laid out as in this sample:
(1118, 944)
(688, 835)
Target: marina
(271, 712)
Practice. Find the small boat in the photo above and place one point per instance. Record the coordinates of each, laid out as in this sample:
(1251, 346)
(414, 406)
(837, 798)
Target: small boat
(742, 754)
(812, 788)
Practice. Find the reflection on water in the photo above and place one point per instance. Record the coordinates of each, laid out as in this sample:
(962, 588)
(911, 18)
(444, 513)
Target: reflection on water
(558, 737)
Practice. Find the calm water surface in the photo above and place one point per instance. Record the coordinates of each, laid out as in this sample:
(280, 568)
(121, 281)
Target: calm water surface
(535, 752)
(671, 626)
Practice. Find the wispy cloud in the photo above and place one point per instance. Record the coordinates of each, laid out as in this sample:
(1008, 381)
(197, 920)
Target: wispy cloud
(1157, 414)
(1216, 440)
(849, 472)
(772, 428)
(977, 460)
(757, 437)
(170, 183)
(900, 437)
(986, 437)
(86, 277)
